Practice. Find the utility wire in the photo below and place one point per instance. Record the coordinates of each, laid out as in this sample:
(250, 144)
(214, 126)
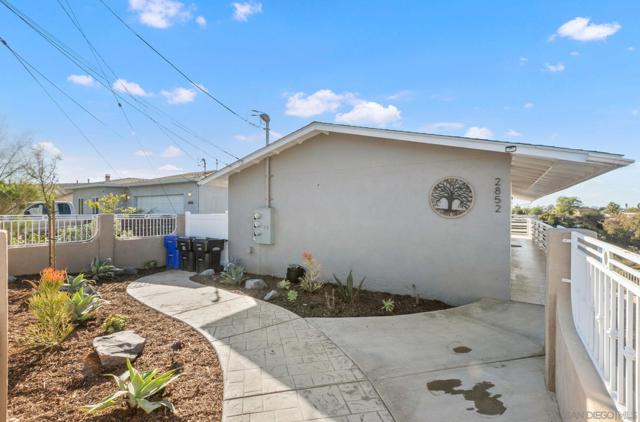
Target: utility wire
(84, 65)
(176, 68)
(26, 68)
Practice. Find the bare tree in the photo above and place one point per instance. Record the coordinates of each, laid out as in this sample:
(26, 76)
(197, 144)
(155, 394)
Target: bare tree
(15, 189)
(451, 190)
(41, 168)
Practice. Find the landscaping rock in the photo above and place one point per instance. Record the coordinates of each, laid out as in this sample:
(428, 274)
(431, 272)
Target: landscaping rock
(116, 348)
(255, 284)
(208, 273)
(129, 271)
(12, 279)
(271, 295)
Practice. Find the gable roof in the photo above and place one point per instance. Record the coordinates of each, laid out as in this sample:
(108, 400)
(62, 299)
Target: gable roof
(536, 170)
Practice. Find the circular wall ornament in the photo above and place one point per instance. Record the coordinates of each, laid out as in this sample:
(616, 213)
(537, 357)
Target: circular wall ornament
(451, 197)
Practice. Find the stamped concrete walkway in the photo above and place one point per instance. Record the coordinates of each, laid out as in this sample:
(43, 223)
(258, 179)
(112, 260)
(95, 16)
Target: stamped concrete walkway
(277, 367)
(470, 363)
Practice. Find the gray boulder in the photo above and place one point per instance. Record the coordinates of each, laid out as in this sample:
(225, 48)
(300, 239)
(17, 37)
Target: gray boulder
(208, 273)
(12, 279)
(271, 295)
(129, 271)
(114, 349)
(255, 284)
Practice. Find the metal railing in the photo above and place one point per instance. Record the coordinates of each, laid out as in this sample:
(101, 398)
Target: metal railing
(530, 226)
(605, 300)
(129, 226)
(33, 230)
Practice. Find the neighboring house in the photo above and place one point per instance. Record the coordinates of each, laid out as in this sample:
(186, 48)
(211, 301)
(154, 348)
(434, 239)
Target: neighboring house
(170, 194)
(417, 214)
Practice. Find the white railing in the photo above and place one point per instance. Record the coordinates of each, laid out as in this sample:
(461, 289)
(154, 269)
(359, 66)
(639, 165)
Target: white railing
(33, 230)
(129, 226)
(539, 233)
(605, 299)
(520, 225)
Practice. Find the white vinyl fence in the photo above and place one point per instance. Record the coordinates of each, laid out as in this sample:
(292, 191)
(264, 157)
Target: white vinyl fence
(33, 230)
(605, 294)
(207, 225)
(129, 226)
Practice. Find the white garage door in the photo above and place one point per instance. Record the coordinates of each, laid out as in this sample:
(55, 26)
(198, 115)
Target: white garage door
(161, 204)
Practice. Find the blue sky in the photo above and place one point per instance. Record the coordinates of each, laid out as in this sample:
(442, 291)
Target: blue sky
(557, 73)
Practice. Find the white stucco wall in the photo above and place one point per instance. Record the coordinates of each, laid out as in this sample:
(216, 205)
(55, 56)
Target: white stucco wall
(362, 204)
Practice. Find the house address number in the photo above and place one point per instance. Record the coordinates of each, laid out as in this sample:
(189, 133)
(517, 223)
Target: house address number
(497, 194)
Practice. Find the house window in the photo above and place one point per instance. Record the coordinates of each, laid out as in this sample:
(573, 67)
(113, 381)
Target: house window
(80, 205)
(94, 210)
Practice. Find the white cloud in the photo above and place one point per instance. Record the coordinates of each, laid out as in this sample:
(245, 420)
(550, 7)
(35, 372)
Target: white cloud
(49, 148)
(581, 29)
(273, 135)
(631, 49)
(479, 132)
(523, 60)
(403, 94)
(126, 87)
(242, 11)
(143, 153)
(528, 105)
(171, 152)
(369, 113)
(179, 95)
(170, 168)
(160, 13)
(443, 126)
(635, 112)
(322, 101)
(553, 68)
(200, 20)
(574, 53)
(84, 80)
(513, 133)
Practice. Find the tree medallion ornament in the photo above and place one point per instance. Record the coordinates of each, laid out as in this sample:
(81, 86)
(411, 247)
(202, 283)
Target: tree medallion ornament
(451, 197)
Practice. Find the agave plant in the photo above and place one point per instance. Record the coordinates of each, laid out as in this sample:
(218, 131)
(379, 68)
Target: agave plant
(234, 274)
(348, 289)
(136, 388)
(82, 305)
(102, 268)
(76, 283)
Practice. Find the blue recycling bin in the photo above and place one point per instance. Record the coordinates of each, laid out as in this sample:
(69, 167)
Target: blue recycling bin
(173, 254)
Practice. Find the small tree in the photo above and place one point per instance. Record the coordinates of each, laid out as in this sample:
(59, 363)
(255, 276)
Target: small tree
(108, 204)
(15, 190)
(612, 208)
(567, 205)
(41, 168)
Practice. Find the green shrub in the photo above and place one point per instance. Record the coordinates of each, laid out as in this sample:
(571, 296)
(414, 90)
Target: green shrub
(150, 265)
(292, 295)
(136, 388)
(82, 305)
(348, 290)
(114, 323)
(388, 305)
(102, 268)
(284, 284)
(234, 274)
(53, 317)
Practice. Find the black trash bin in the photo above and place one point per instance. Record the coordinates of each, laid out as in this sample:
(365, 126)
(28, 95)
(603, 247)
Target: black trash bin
(184, 244)
(203, 261)
(187, 261)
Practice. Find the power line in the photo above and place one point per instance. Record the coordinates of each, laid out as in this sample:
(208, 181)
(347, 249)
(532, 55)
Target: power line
(26, 68)
(177, 69)
(85, 66)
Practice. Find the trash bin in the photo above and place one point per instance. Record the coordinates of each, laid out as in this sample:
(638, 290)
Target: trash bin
(184, 244)
(187, 261)
(172, 255)
(203, 261)
(206, 244)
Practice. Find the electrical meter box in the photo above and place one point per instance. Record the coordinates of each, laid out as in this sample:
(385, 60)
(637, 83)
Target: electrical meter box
(261, 222)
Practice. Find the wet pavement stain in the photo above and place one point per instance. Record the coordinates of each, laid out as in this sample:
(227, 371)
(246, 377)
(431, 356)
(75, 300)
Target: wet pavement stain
(485, 403)
(462, 349)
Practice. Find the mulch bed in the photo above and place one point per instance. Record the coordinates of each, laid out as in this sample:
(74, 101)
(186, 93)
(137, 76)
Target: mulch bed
(52, 384)
(309, 305)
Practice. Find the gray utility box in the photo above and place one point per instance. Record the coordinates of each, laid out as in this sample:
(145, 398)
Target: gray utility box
(262, 226)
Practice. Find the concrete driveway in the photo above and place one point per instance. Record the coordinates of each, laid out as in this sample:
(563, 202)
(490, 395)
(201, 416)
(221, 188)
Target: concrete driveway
(469, 363)
(478, 361)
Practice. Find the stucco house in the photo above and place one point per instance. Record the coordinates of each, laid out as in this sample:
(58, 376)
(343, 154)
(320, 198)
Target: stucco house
(171, 194)
(416, 213)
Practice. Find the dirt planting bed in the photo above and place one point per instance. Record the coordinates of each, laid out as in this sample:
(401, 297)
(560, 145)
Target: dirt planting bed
(369, 303)
(52, 384)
